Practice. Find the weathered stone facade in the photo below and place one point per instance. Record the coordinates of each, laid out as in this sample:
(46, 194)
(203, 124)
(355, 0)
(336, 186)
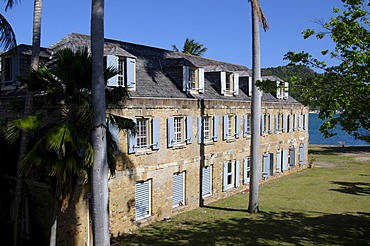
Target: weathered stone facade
(195, 138)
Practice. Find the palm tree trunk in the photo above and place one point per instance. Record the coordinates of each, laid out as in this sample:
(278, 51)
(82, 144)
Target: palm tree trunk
(25, 139)
(54, 225)
(256, 114)
(99, 184)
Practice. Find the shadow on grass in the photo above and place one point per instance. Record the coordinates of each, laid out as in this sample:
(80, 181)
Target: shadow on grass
(327, 150)
(285, 228)
(354, 188)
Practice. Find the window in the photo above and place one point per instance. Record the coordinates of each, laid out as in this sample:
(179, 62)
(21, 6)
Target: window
(247, 170)
(278, 161)
(126, 68)
(8, 69)
(178, 193)
(208, 129)
(147, 135)
(179, 130)
(247, 125)
(143, 199)
(229, 83)
(231, 126)
(206, 181)
(291, 157)
(295, 122)
(280, 123)
(282, 89)
(193, 79)
(231, 175)
(304, 121)
(266, 124)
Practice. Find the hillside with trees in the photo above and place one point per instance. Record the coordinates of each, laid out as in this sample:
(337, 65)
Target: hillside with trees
(286, 72)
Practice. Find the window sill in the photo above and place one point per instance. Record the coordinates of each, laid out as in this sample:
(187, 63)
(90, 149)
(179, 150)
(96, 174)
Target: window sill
(180, 146)
(144, 152)
(231, 140)
(209, 143)
(144, 220)
(178, 208)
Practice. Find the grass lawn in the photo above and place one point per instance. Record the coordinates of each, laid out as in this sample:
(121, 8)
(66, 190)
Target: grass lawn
(325, 205)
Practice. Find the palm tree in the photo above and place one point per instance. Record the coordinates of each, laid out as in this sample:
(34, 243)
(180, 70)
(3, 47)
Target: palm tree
(62, 146)
(99, 184)
(257, 18)
(191, 47)
(36, 36)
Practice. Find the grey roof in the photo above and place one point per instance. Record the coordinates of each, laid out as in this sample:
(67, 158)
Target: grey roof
(27, 50)
(153, 81)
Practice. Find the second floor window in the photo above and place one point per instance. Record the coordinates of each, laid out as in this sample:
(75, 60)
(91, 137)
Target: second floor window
(179, 130)
(142, 133)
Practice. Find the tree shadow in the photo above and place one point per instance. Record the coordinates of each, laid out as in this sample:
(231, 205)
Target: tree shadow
(265, 228)
(353, 188)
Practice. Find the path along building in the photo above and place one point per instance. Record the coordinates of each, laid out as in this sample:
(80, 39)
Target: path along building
(192, 145)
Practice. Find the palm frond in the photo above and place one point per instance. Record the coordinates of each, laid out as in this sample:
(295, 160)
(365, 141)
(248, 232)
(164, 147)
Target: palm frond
(10, 4)
(12, 130)
(123, 124)
(261, 16)
(7, 35)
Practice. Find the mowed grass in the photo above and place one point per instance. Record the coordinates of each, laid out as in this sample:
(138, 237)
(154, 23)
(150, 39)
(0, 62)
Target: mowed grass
(325, 205)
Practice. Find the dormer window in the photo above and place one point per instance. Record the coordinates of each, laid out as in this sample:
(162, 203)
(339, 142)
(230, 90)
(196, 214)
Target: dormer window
(193, 79)
(126, 68)
(229, 83)
(282, 90)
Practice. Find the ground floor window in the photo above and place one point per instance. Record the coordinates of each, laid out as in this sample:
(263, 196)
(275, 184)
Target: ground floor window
(207, 181)
(178, 196)
(231, 174)
(143, 199)
(247, 170)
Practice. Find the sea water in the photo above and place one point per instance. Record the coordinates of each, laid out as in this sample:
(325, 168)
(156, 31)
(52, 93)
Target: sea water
(316, 137)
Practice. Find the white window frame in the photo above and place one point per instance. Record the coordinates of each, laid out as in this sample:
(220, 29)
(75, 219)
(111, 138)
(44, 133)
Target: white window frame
(152, 135)
(179, 129)
(230, 174)
(208, 128)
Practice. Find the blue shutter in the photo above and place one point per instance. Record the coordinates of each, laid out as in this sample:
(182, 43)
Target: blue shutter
(276, 123)
(278, 161)
(201, 80)
(262, 124)
(131, 141)
(301, 154)
(170, 132)
(131, 73)
(142, 199)
(299, 121)
(185, 78)
(112, 61)
(226, 126)
(304, 121)
(178, 189)
(284, 122)
(294, 122)
(206, 181)
(292, 156)
(189, 130)
(245, 126)
(114, 131)
(237, 173)
(215, 128)
(200, 130)
(224, 177)
(285, 160)
(237, 126)
(270, 123)
(156, 134)
(266, 165)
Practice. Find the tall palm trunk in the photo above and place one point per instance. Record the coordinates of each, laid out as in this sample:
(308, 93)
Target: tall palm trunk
(257, 17)
(25, 139)
(99, 184)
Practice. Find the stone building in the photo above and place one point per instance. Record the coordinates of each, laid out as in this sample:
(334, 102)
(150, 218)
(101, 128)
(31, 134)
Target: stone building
(192, 145)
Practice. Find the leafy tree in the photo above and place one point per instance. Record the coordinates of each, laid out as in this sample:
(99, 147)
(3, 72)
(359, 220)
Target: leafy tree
(342, 92)
(7, 35)
(191, 47)
(257, 18)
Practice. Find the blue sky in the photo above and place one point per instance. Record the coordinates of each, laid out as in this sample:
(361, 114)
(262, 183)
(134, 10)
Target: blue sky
(223, 26)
